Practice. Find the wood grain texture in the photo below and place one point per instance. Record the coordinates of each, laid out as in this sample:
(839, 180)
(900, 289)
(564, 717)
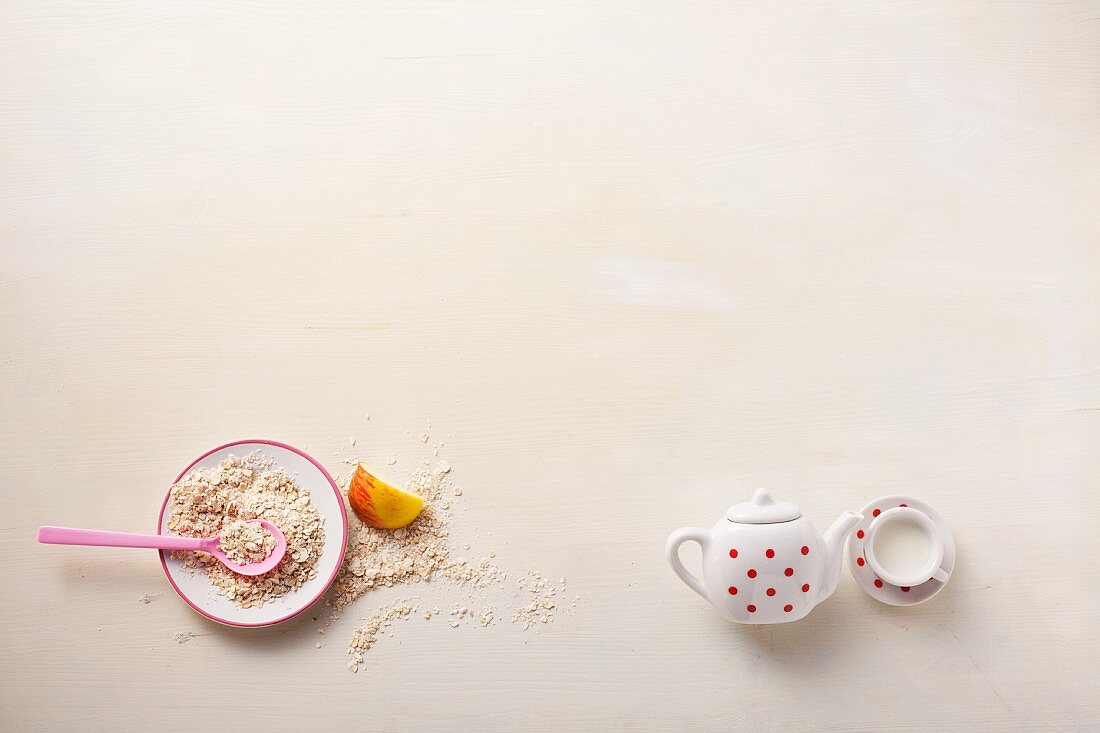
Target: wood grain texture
(631, 260)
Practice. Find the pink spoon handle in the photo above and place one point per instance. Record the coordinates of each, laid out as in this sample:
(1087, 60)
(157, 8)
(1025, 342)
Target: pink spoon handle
(101, 538)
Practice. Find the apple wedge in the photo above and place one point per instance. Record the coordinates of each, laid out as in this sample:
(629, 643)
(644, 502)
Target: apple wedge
(380, 504)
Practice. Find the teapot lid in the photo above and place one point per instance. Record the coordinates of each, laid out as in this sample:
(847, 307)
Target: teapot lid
(763, 509)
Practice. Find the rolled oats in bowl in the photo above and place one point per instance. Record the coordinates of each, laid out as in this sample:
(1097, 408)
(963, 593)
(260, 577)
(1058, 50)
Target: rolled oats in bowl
(216, 500)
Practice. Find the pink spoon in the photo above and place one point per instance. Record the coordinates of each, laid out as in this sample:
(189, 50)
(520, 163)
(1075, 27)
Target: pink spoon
(101, 538)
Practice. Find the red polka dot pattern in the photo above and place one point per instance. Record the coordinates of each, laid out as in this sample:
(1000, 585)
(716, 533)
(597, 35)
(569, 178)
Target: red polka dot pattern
(733, 553)
(859, 561)
(859, 534)
(903, 505)
(771, 591)
(806, 588)
(805, 550)
(769, 554)
(733, 590)
(878, 583)
(876, 512)
(752, 573)
(751, 608)
(788, 608)
(789, 572)
(905, 589)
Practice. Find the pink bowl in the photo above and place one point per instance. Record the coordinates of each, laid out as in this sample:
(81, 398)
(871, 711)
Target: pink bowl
(197, 592)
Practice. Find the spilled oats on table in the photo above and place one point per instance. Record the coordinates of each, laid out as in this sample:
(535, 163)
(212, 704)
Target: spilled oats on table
(420, 556)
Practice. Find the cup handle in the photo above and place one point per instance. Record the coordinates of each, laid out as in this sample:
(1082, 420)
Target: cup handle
(672, 551)
(941, 575)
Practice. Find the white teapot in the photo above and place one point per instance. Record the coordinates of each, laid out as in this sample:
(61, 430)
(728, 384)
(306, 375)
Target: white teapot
(764, 563)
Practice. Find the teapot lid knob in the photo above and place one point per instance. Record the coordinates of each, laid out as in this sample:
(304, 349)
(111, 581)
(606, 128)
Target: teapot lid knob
(763, 509)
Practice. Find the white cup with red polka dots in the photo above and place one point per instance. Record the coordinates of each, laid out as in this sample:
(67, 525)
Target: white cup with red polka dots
(904, 547)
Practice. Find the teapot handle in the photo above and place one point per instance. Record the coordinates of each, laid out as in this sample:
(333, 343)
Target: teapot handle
(672, 551)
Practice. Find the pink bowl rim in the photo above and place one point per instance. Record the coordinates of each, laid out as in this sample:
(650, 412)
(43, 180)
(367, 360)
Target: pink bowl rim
(339, 561)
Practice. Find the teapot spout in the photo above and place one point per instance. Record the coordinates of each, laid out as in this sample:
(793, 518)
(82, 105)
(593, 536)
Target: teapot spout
(834, 538)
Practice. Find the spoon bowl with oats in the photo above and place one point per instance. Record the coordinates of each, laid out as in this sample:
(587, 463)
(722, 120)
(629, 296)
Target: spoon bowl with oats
(247, 547)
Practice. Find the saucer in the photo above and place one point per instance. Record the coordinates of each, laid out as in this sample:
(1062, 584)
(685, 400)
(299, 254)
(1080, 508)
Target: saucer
(879, 589)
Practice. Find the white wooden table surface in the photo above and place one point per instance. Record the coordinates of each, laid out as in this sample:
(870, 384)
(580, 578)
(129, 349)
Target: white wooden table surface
(631, 259)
